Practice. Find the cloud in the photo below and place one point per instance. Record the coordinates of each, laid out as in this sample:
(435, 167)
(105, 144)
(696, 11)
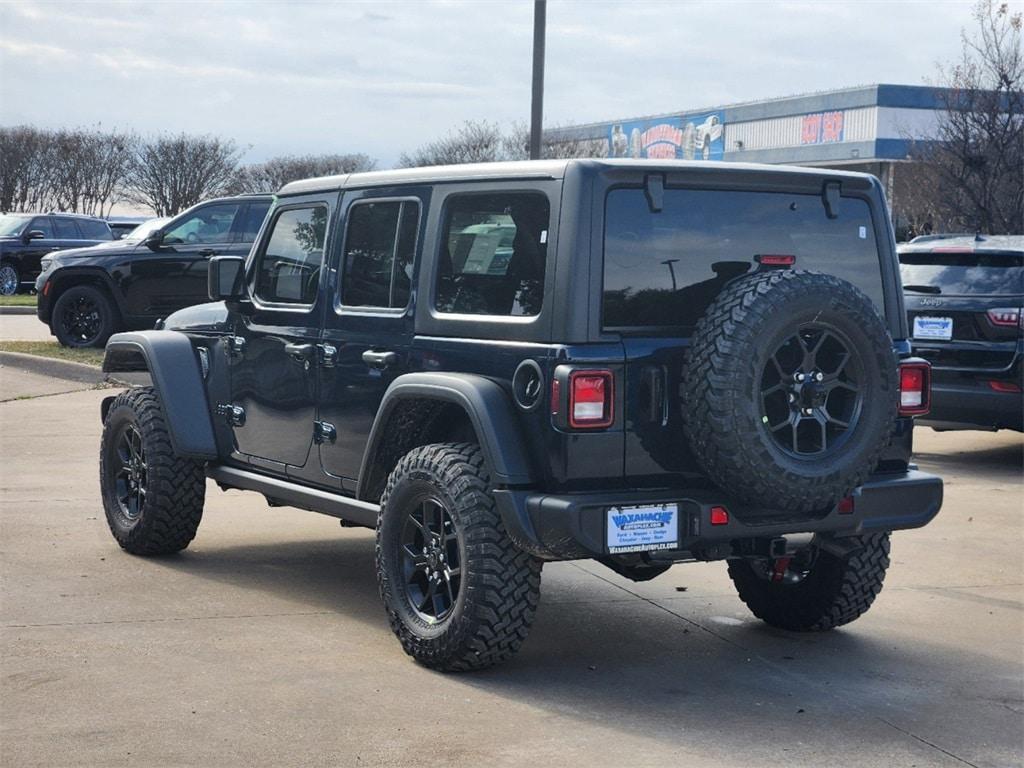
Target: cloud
(34, 50)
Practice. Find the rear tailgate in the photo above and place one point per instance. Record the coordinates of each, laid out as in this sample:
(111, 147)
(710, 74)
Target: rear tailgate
(662, 269)
(963, 307)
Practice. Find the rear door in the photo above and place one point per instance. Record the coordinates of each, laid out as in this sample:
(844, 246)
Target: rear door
(247, 226)
(662, 269)
(368, 325)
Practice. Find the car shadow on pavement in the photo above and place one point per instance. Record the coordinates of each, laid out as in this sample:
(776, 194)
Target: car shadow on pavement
(667, 668)
(999, 462)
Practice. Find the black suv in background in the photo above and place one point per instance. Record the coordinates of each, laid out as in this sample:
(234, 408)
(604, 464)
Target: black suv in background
(964, 299)
(635, 362)
(25, 238)
(87, 294)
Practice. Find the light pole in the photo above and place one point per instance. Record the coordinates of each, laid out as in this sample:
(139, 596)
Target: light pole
(537, 106)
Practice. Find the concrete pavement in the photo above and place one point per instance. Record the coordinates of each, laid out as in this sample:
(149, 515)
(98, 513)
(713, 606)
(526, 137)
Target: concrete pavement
(23, 328)
(265, 642)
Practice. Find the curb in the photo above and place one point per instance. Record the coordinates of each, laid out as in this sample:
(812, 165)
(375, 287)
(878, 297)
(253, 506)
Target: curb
(17, 310)
(59, 369)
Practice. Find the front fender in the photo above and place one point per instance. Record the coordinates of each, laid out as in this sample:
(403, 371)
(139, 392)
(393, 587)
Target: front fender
(172, 364)
(488, 407)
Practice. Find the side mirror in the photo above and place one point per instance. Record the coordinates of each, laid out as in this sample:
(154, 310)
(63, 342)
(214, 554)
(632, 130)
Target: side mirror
(35, 234)
(226, 278)
(155, 240)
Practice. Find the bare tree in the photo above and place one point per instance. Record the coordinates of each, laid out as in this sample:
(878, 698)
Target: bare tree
(483, 142)
(556, 143)
(978, 152)
(171, 173)
(471, 142)
(24, 154)
(276, 172)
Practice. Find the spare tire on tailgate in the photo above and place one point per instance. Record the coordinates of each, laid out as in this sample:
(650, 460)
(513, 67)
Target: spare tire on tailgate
(790, 390)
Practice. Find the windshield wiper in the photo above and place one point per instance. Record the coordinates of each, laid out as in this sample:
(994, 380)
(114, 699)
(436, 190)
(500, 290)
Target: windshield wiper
(923, 288)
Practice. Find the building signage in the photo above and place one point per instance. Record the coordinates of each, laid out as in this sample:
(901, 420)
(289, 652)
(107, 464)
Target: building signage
(822, 128)
(687, 137)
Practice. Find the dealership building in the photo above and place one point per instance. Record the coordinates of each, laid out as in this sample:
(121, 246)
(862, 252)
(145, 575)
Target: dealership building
(869, 128)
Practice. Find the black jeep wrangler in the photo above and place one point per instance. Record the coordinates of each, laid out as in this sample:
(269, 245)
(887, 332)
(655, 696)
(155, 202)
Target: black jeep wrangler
(637, 362)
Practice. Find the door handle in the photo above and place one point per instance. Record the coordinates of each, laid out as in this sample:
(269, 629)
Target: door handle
(207, 252)
(379, 360)
(299, 352)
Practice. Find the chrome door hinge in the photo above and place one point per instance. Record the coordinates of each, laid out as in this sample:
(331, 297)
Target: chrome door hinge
(236, 346)
(234, 415)
(324, 432)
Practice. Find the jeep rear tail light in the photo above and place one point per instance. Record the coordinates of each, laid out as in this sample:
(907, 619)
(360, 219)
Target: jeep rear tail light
(915, 388)
(1005, 316)
(590, 399)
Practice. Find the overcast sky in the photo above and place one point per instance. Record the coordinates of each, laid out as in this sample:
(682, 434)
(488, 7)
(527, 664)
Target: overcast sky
(383, 77)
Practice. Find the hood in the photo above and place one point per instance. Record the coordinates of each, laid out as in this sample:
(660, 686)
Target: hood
(114, 246)
(212, 316)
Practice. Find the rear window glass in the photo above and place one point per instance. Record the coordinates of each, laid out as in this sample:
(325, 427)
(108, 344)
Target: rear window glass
(664, 269)
(65, 228)
(990, 273)
(379, 251)
(94, 230)
(494, 254)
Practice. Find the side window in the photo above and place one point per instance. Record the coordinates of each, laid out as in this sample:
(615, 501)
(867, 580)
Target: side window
(288, 269)
(65, 228)
(209, 224)
(94, 230)
(254, 216)
(42, 223)
(493, 254)
(380, 244)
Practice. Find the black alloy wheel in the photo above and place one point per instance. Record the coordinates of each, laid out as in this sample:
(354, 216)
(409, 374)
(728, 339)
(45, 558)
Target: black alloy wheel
(81, 320)
(431, 560)
(811, 396)
(130, 472)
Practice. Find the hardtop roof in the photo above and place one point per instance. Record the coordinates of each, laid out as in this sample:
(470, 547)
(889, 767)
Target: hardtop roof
(538, 169)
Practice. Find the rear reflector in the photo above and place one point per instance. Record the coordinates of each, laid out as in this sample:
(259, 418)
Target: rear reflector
(915, 388)
(719, 516)
(590, 399)
(1004, 316)
(776, 259)
(1004, 386)
(556, 396)
(845, 506)
(46, 288)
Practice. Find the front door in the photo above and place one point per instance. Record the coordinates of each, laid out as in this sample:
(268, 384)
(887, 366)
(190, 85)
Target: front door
(274, 347)
(368, 327)
(175, 276)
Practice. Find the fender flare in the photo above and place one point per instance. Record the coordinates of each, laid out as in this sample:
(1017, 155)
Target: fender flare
(174, 368)
(489, 410)
(91, 272)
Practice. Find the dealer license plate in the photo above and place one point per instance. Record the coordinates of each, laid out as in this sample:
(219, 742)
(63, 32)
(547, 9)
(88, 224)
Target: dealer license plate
(643, 528)
(933, 328)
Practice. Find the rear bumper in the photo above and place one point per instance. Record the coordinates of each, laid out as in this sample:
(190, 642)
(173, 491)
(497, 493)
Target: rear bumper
(572, 526)
(967, 403)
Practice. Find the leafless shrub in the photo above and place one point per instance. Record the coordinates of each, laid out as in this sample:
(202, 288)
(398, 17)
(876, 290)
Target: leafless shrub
(276, 172)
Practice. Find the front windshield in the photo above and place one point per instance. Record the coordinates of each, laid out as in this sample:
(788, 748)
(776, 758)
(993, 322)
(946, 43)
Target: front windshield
(12, 225)
(142, 231)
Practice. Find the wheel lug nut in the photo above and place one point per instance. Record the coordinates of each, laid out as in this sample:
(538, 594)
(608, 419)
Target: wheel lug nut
(819, 376)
